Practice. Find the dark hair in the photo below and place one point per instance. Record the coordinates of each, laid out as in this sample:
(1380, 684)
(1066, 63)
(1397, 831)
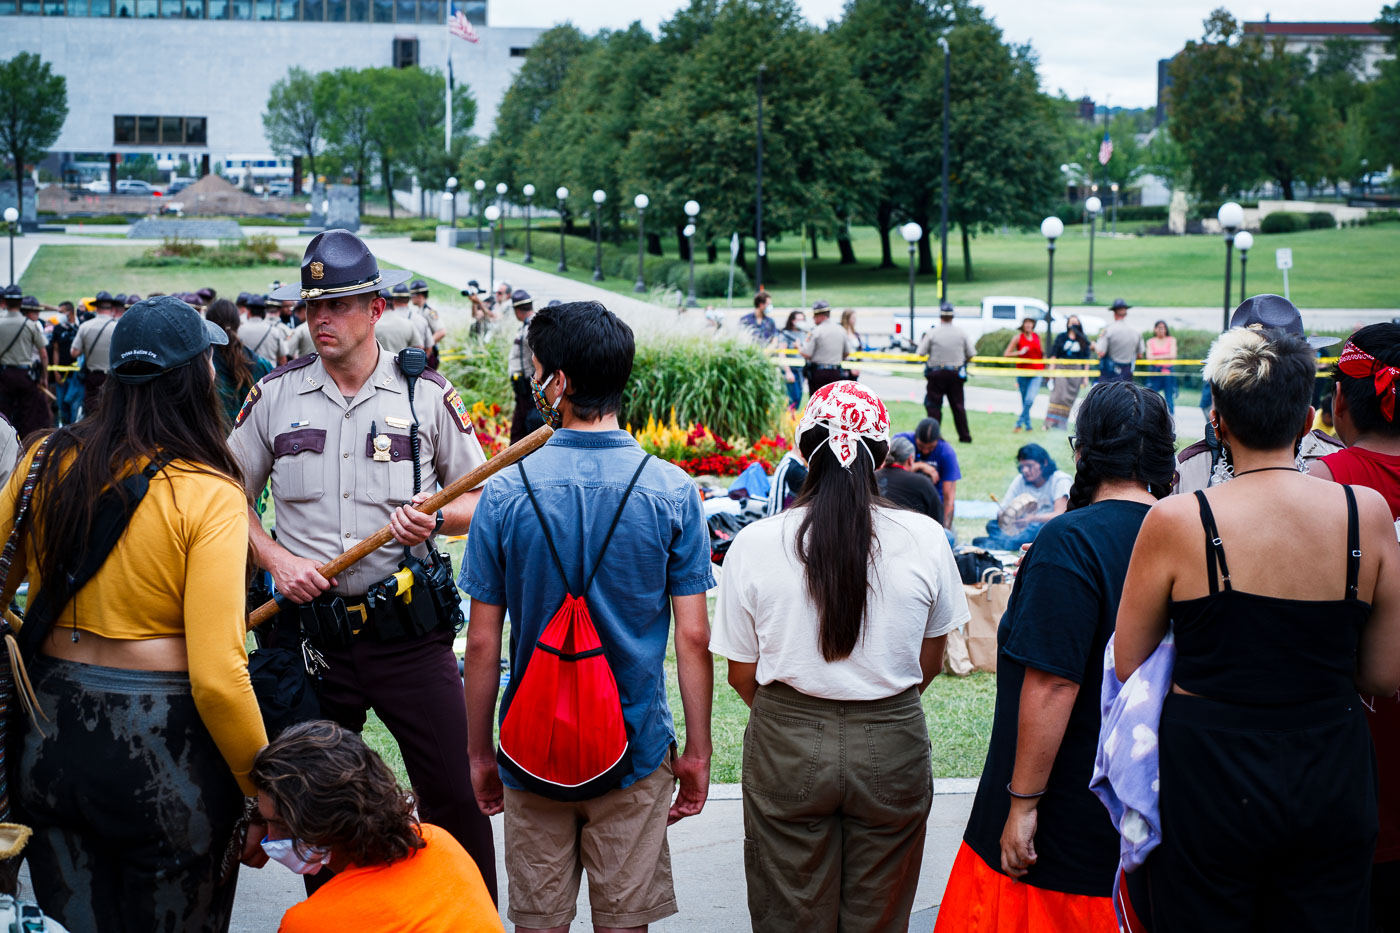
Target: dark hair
(928, 431)
(593, 346)
(1122, 431)
(836, 537)
(1262, 384)
(1363, 404)
(178, 415)
(760, 298)
(223, 314)
(1039, 455)
(1027, 320)
(791, 315)
(1165, 327)
(66, 304)
(332, 790)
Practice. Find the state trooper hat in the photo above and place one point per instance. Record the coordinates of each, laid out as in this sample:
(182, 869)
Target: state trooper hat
(386, 294)
(1119, 305)
(1277, 313)
(338, 264)
(400, 290)
(158, 335)
(30, 303)
(15, 293)
(132, 299)
(256, 301)
(242, 298)
(119, 299)
(945, 309)
(418, 287)
(103, 298)
(821, 307)
(520, 298)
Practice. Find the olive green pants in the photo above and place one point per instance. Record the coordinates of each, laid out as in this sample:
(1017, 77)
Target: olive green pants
(836, 798)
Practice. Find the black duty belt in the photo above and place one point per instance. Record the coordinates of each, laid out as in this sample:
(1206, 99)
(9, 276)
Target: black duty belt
(826, 365)
(953, 367)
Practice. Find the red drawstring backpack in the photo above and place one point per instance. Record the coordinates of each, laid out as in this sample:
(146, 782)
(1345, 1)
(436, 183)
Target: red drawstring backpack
(563, 735)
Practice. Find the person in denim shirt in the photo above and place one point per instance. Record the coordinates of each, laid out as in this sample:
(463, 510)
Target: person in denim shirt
(657, 566)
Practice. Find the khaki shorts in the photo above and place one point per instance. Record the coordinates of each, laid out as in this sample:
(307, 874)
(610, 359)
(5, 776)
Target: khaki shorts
(620, 838)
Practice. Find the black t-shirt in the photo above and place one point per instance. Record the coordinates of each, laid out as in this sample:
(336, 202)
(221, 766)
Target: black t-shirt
(911, 490)
(1059, 619)
(63, 334)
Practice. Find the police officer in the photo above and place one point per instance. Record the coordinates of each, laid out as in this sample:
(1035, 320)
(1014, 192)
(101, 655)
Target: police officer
(127, 302)
(527, 417)
(334, 433)
(241, 303)
(418, 289)
(824, 349)
(24, 371)
(94, 344)
(301, 342)
(403, 306)
(261, 336)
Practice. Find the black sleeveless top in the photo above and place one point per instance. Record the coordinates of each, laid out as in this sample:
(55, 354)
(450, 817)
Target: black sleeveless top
(1264, 650)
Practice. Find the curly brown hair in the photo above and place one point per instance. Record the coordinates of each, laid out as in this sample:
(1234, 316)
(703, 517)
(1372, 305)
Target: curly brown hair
(331, 789)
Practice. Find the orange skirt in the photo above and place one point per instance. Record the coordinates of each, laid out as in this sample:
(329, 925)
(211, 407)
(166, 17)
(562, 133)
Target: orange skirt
(980, 899)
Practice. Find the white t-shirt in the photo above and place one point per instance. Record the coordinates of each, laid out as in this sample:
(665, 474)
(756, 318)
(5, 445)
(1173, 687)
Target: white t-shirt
(765, 614)
(1045, 494)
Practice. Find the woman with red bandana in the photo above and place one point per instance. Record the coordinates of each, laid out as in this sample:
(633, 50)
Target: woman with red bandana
(1363, 411)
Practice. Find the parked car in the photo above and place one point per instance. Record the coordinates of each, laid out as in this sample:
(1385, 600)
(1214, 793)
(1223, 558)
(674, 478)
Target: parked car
(135, 186)
(177, 185)
(999, 312)
(280, 188)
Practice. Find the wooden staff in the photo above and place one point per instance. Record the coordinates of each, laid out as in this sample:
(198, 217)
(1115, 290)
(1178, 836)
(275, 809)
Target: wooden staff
(526, 445)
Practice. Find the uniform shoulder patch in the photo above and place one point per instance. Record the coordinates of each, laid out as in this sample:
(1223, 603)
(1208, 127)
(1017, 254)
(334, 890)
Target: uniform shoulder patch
(460, 416)
(1196, 449)
(254, 394)
(290, 366)
(436, 378)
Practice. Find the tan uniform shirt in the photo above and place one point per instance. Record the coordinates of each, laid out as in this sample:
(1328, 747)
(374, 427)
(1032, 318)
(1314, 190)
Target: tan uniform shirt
(431, 315)
(23, 337)
(826, 344)
(946, 345)
(301, 342)
(421, 327)
(264, 337)
(1121, 342)
(394, 331)
(94, 343)
(329, 492)
(520, 354)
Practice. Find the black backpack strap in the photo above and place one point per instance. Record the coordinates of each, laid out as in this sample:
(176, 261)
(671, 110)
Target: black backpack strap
(549, 538)
(15, 339)
(1353, 544)
(114, 511)
(616, 518)
(100, 331)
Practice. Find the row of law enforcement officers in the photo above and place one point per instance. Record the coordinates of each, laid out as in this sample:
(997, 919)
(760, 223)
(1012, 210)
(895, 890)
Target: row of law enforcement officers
(527, 417)
(23, 364)
(418, 292)
(263, 336)
(334, 432)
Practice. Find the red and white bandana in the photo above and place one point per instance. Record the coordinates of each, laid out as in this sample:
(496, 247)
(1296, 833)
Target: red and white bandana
(849, 411)
(1359, 364)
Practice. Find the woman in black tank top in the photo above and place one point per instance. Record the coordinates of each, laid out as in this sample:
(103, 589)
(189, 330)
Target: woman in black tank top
(1283, 592)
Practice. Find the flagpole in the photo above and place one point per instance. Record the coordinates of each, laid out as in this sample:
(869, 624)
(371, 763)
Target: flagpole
(447, 125)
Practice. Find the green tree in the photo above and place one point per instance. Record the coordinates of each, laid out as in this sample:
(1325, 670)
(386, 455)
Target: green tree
(696, 139)
(33, 106)
(349, 112)
(296, 109)
(1382, 109)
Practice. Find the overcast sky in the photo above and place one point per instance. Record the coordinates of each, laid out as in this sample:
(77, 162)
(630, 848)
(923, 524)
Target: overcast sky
(1103, 48)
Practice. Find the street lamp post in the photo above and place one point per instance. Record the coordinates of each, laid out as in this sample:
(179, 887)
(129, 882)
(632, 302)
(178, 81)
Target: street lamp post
(912, 233)
(692, 210)
(451, 197)
(562, 194)
(492, 213)
(599, 196)
(1051, 228)
(1114, 188)
(11, 218)
(943, 210)
(758, 198)
(1092, 206)
(501, 189)
(1231, 217)
(1243, 241)
(641, 201)
(529, 192)
(480, 186)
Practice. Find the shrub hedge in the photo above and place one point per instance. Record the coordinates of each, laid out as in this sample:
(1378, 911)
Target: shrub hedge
(1321, 220)
(1074, 213)
(1283, 222)
(711, 281)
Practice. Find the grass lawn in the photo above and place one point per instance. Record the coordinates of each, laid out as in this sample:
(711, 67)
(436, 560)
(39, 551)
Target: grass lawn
(60, 273)
(1343, 268)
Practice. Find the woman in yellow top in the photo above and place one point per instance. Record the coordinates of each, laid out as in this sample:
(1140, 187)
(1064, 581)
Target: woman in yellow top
(136, 781)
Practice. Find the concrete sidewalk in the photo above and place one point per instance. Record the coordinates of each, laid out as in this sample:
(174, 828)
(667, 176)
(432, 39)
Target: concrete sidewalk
(707, 860)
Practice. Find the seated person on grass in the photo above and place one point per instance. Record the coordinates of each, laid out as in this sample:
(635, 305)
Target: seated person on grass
(1039, 492)
(935, 458)
(908, 488)
(326, 800)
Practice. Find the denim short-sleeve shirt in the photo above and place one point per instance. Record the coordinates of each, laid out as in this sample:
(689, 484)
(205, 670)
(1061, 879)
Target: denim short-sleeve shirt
(660, 549)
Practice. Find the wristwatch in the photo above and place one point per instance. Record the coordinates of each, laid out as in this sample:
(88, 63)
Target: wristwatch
(437, 525)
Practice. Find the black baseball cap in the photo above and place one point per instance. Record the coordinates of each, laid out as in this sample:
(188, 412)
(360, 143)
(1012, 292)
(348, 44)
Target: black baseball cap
(1276, 313)
(162, 332)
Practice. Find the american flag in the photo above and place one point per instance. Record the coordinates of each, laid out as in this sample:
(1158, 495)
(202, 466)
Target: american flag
(1105, 149)
(461, 28)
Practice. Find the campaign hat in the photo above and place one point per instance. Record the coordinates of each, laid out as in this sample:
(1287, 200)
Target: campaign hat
(242, 298)
(256, 301)
(520, 298)
(821, 307)
(418, 287)
(386, 294)
(30, 303)
(1119, 305)
(1274, 312)
(400, 290)
(15, 293)
(132, 299)
(338, 264)
(945, 309)
(119, 299)
(163, 333)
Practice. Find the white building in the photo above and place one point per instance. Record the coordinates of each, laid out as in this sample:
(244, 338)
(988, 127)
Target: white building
(1310, 38)
(188, 79)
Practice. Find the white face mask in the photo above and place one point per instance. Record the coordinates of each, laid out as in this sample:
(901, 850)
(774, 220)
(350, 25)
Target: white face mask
(290, 852)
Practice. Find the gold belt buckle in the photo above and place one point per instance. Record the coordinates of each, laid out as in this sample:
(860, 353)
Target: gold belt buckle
(362, 611)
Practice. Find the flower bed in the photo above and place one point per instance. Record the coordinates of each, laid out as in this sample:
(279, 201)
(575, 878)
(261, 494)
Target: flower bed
(699, 451)
(492, 427)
